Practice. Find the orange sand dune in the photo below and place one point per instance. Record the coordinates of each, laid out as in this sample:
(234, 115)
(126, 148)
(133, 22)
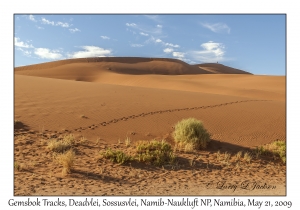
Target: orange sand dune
(133, 65)
(160, 74)
(107, 100)
(111, 95)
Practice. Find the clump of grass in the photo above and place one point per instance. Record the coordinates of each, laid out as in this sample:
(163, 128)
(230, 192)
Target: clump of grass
(127, 142)
(61, 145)
(83, 140)
(66, 159)
(276, 149)
(239, 155)
(227, 156)
(155, 152)
(191, 131)
(116, 156)
(218, 155)
(248, 157)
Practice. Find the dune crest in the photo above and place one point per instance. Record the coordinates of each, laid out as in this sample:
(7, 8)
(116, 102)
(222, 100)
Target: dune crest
(137, 66)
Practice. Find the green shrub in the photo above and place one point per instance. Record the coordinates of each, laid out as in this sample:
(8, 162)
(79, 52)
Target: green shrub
(116, 156)
(154, 152)
(192, 131)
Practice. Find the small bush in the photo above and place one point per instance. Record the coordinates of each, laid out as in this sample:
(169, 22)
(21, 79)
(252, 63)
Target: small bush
(191, 131)
(66, 160)
(116, 156)
(154, 152)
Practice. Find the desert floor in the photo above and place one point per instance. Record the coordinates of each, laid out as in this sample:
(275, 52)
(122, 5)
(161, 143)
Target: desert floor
(103, 107)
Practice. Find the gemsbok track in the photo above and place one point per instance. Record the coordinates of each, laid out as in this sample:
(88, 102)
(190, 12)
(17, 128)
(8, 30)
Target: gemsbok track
(105, 123)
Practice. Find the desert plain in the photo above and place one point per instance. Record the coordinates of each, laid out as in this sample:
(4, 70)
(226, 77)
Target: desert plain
(114, 102)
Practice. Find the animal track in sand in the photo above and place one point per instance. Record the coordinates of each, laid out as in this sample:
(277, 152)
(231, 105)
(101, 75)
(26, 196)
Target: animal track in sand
(159, 112)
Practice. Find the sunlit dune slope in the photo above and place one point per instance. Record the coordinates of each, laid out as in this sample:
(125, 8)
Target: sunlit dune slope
(216, 68)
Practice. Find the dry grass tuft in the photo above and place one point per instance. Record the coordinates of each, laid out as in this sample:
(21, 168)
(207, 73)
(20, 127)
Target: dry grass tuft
(248, 157)
(61, 145)
(83, 140)
(66, 160)
(239, 155)
(227, 157)
(218, 155)
(127, 142)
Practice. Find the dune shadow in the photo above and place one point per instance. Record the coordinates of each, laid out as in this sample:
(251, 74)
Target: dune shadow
(20, 125)
(216, 145)
(76, 173)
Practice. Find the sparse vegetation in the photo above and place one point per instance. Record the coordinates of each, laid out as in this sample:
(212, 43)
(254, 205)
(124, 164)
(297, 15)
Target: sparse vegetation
(227, 157)
(239, 155)
(61, 145)
(191, 131)
(83, 140)
(275, 149)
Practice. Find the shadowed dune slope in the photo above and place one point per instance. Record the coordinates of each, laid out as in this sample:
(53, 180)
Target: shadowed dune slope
(123, 65)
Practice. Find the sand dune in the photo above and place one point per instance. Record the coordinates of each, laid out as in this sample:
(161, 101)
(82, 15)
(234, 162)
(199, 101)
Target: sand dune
(142, 98)
(161, 74)
(133, 65)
